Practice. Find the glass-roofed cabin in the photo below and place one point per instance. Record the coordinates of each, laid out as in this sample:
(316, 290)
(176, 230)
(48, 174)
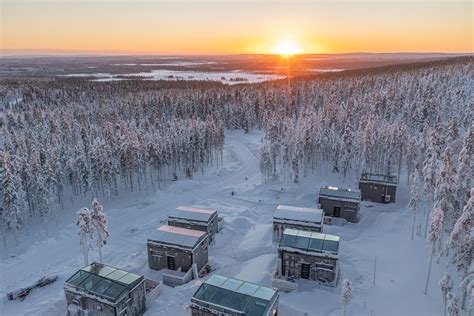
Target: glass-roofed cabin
(195, 218)
(339, 202)
(304, 218)
(99, 289)
(308, 255)
(381, 188)
(220, 295)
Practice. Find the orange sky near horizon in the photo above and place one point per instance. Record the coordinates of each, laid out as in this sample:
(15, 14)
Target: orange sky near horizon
(228, 27)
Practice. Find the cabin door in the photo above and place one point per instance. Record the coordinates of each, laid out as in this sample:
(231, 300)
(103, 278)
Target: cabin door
(304, 271)
(170, 263)
(337, 211)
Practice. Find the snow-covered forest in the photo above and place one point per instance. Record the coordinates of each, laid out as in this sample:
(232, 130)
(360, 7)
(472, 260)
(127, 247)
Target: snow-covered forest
(67, 139)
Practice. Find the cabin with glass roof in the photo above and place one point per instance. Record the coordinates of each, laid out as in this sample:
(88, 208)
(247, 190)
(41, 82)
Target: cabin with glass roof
(304, 218)
(195, 218)
(220, 295)
(340, 202)
(381, 188)
(308, 255)
(98, 289)
(177, 248)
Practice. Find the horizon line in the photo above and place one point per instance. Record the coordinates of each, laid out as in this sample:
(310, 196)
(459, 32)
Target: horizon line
(12, 52)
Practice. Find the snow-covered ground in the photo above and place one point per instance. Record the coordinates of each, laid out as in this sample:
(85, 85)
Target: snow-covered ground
(243, 249)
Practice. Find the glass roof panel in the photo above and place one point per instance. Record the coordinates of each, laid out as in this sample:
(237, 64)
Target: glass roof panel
(239, 301)
(232, 284)
(287, 240)
(302, 242)
(256, 307)
(247, 288)
(102, 286)
(221, 297)
(264, 293)
(216, 280)
(116, 275)
(105, 270)
(115, 290)
(78, 278)
(205, 292)
(330, 245)
(129, 278)
(316, 244)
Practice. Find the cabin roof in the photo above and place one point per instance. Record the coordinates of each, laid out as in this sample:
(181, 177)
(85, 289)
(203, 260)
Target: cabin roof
(379, 178)
(193, 213)
(105, 281)
(302, 214)
(310, 241)
(236, 295)
(339, 193)
(177, 236)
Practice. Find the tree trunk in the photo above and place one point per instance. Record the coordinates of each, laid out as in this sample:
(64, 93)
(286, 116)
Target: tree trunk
(429, 270)
(413, 224)
(100, 254)
(86, 257)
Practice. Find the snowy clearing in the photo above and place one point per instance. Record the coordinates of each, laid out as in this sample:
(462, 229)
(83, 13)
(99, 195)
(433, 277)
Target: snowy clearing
(243, 249)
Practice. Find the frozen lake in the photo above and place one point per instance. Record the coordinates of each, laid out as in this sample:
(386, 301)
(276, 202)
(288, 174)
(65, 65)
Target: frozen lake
(232, 77)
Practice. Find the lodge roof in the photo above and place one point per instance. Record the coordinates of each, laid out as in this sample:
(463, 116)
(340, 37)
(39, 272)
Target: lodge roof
(301, 214)
(379, 178)
(310, 241)
(229, 294)
(177, 236)
(105, 281)
(193, 214)
(332, 192)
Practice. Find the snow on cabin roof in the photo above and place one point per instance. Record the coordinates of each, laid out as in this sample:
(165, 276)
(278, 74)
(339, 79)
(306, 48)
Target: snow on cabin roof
(303, 214)
(192, 213)
(379, 178)
(235, 295)
(339, 193)
(310, 241)
(178, 236)
(197, 209)
(105, 281)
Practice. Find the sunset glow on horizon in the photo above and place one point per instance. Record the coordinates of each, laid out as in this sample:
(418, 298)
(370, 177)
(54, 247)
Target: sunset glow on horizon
(234, 27)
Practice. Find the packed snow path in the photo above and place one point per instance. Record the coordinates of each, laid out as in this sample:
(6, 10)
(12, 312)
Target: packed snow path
(243, 249)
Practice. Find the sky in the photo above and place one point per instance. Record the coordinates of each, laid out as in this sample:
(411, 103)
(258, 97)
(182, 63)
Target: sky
(234, 27)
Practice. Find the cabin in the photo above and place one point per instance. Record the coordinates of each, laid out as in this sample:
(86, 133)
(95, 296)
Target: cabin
(303, 218)
(220, 295)
(99, 289)
(177, 248)
(195, 218)
(308, 255)
(339, 202)
(381, 188)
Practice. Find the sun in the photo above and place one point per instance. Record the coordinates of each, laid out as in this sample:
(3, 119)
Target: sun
(286, 48)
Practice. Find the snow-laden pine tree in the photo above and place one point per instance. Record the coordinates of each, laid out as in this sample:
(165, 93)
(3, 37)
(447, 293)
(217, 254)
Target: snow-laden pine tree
(84, 225)
(467, 289)
(465, 172)
(435, 235)
(452, 307)
(346, 295)
(446, 285)
(14, 205)
(414, 198)
(444, 191)
(461, 242)
(430, 172)
(99, 226)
